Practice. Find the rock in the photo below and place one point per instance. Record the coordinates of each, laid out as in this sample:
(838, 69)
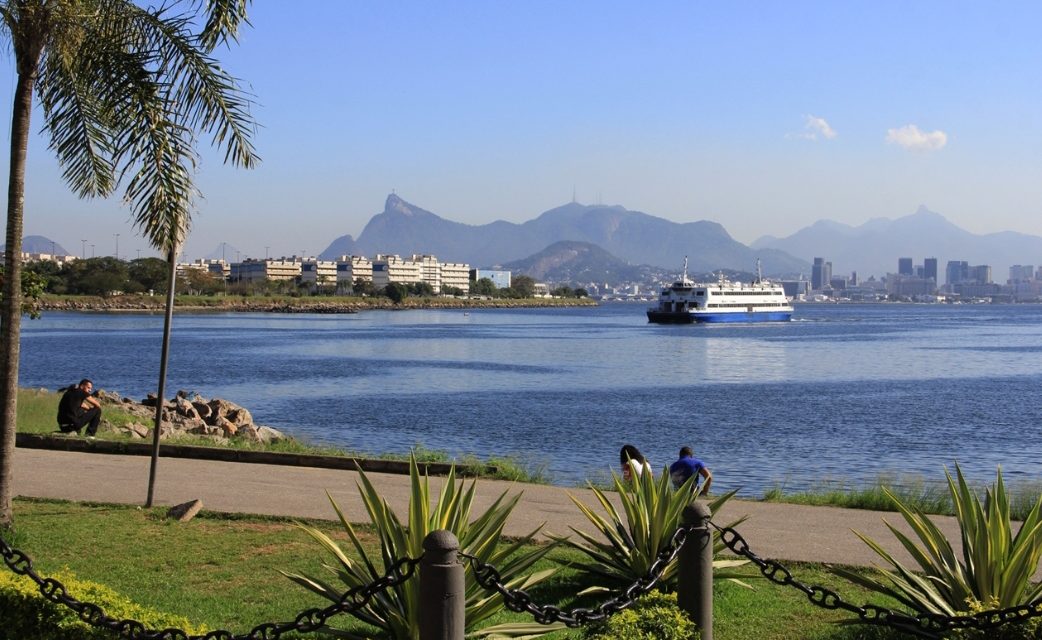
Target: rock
(202, 409)
(137, 430)
(150, 400)
(248, 432)
(267, 434)
(230, 412)
(185, 511)
(186, 408)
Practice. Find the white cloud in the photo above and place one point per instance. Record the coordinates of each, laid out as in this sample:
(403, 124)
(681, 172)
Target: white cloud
(912, 138)
(813, 128)
(818, 126)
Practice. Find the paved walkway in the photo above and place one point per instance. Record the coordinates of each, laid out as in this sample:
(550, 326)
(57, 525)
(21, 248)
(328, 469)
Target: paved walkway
(780, 531)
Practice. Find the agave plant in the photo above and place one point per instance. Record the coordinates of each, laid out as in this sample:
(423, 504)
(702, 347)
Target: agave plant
(626, 548)
(995, 566)
(395, 612)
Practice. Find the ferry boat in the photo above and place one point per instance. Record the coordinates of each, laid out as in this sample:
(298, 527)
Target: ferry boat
(685, 301)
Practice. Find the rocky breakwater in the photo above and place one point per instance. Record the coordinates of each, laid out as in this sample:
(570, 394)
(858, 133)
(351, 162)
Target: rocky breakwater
(188, 414)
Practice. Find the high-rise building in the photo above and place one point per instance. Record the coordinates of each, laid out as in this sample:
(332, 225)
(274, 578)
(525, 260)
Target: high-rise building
(820, 274)
(904, 267)
(957, 271)
(930, 268)
(1021, 273)
(981, 273)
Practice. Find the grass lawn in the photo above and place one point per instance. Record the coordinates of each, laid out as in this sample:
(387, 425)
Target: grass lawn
(223, 572)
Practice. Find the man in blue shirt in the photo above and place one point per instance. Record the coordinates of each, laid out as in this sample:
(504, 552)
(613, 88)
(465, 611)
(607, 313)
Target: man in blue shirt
(687, 466)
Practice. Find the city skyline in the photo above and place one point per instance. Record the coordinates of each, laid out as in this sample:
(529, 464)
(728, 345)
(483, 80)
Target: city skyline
(763, 118)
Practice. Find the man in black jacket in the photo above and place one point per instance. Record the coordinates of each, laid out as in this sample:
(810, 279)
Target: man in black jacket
(78, 408)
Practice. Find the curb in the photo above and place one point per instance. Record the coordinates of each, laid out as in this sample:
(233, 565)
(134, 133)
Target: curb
(67, 443)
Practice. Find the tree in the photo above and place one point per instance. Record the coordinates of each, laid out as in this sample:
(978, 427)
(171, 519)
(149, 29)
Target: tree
(421, 289)
(125, 91)
(96, 276)
(150, 273)
(363, 287)
(582, 293)
(523, 286)
(483, 287)
(562, 292)
(199, 282)
(397, 292)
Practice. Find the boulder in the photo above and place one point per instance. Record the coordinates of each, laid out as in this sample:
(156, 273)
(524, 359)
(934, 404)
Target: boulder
(248, 432)
(267, 434)
(202, 409)
(186, 408)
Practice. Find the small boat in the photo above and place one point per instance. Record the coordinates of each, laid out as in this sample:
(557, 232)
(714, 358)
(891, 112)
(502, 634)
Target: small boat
(685, 301)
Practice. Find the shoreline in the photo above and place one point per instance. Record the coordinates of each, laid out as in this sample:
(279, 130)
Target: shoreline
(287, 304)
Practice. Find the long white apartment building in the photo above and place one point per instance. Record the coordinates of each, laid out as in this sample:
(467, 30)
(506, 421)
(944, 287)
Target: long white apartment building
(388, 269)
(269, 269)
(321, 273)
(350, 268)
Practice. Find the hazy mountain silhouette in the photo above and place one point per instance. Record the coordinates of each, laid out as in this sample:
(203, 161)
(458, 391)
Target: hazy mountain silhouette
(579, 262)
(41, 244)
(633, 236)
(874, 247)
(226, 252)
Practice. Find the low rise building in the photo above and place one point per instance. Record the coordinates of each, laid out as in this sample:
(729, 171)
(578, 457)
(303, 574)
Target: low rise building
(499, 277)
(251, 270)
(351, 269)
(318, 273)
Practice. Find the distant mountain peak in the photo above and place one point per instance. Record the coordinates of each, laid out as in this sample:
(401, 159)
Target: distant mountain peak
(397, 205)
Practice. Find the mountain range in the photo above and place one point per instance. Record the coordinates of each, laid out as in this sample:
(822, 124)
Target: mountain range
(875, 246)
(632, 236)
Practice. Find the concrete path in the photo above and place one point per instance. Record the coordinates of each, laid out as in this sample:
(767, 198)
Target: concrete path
(780, 531)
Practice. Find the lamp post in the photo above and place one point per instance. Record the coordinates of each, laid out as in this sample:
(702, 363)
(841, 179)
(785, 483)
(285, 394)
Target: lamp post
(117, 245)
(92, 250)
(139, 254)
(84, 249)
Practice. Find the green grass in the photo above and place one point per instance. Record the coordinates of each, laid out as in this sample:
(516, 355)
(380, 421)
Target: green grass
(37, 410)
(914, 491)
(223, 571)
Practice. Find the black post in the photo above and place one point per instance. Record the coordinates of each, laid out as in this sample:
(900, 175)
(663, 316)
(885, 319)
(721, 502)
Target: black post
(695, 570)
(443, 594)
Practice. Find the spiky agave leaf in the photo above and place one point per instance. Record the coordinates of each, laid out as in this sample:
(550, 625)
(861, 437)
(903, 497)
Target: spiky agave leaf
(630, 539)
(995, 566)
(396, 611)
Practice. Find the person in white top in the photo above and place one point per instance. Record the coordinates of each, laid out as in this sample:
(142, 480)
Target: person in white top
(632, 461)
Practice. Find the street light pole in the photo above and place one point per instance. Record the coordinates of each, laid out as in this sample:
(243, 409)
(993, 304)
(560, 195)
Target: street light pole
(117, 245)
(92, 250)
(84, 249)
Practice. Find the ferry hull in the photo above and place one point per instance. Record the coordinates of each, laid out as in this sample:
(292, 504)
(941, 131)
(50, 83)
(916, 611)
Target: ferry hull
(687, 317)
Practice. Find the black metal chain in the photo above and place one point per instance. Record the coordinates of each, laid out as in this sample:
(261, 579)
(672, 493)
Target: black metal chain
(305, 622)
(925, 625)
(520, 601)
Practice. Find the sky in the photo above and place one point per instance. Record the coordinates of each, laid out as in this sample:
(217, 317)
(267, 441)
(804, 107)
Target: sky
(762, 116)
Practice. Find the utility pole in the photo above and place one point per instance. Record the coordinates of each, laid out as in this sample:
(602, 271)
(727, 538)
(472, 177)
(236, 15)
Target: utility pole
(92, 250)
(117, 245)
(139, 254)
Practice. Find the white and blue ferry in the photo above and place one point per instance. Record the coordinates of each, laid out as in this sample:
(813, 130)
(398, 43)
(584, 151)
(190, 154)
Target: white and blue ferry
(722, 301)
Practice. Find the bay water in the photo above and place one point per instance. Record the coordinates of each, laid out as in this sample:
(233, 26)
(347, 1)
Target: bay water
(843, 393)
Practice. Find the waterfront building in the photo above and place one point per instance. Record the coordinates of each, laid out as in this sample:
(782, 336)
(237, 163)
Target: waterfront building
(392, 268)
(904, 267)
(1021, 273)
(457, 275)
(820, 274)
(838, 283)
(44, 257)
(930, 269)
(957, 271)
(318, 273)
(251, 270)
(499, 277)
(909, 286)
(795, 289)
(349, 269)
(981, 274)
(219, 269)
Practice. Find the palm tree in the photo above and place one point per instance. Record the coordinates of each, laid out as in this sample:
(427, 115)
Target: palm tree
(125, 90)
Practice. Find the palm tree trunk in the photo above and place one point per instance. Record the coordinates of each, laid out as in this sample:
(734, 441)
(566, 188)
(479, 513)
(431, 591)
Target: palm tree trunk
(11, 305)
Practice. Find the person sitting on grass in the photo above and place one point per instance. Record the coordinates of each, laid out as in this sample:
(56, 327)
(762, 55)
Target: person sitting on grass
(78, 408)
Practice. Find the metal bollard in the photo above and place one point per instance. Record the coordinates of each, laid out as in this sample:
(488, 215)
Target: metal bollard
(695, 569)
(443, 595)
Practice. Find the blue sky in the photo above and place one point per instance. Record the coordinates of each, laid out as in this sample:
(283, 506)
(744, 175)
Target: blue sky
(762, 116)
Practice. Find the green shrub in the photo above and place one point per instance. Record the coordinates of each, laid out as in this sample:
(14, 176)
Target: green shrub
(654, 616)
(27, 615)
(995, 567)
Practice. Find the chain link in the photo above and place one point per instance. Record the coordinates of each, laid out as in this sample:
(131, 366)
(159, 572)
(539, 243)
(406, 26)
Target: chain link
(924, 625)
(305, 622)
(519, 601)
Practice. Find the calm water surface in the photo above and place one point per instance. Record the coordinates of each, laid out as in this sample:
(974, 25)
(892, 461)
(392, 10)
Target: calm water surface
(842, 392)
